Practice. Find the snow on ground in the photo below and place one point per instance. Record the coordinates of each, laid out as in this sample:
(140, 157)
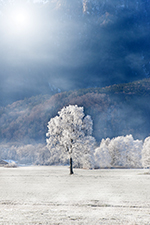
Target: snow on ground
(49, 195)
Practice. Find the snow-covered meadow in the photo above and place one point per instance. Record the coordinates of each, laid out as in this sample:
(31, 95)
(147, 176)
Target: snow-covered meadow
(49, 195)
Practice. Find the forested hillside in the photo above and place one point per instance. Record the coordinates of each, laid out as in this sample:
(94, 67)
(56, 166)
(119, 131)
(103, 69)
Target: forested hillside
(116, 110)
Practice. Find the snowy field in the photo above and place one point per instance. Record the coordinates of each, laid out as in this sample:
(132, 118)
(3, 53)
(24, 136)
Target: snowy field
(49, 195)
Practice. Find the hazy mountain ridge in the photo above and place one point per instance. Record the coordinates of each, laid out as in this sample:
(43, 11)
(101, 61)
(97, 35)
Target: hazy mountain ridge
(116, 110)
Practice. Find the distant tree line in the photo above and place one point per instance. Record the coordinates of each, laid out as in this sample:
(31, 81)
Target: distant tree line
(122, 151)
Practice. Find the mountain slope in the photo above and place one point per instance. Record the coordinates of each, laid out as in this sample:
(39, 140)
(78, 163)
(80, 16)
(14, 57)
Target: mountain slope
(116, 110)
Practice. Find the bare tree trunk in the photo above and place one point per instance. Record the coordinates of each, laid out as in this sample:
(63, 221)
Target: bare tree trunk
(71, 168)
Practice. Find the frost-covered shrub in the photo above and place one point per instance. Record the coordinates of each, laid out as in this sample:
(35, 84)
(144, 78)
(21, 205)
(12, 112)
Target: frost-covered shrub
(121, 151)
(146, 153)
(102, 155)
(125, 151)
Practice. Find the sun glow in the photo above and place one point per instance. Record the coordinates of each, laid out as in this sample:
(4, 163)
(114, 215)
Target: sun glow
(19, 21)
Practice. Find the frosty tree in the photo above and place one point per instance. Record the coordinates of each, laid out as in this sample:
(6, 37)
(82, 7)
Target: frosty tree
(125, 151)
(146, 153)
(70, 132)
(121, 151)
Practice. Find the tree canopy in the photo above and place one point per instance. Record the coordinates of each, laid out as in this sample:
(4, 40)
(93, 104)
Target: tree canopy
(71, 132)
